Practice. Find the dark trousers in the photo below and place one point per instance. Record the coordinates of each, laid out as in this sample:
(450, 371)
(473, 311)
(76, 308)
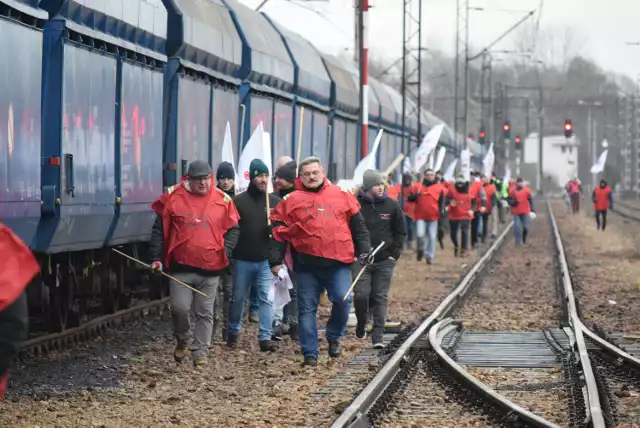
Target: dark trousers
(501, 210)
(575, 202)
(370, 295)
(601, 215)
(475, 223)
(485, 226)
(410, 227)
(463, 227)
(442, 229)
(221, 320)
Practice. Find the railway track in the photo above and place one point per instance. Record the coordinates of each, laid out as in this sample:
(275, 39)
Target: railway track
(57, 341)
(626, 211)
(537, 366)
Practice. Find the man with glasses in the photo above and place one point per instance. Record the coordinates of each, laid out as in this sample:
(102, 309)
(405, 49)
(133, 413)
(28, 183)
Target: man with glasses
(193, 237)
(326, 231)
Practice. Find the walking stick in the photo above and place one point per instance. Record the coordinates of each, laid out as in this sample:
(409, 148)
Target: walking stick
(163, 273)
(362, 271)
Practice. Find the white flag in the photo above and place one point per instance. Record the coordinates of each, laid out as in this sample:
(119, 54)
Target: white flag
(369, 162)
(440, 159)
(429, 143)
(487, 162)
(451, 169)
(465, 164)
(598, 167)
(431, 161)
(227, 150)
(507, 174)
(255, 149)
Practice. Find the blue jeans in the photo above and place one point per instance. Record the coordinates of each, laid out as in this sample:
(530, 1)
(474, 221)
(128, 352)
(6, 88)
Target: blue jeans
(246, 274)
(410, 225)
(254, 301)
(480, 227)
(520, 227)
(311, 282)
(430, 229)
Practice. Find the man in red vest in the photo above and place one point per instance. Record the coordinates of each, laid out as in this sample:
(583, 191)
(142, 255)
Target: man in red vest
(602, 202)
(574, 189)
(407, 206)
(521, 201)
(17, 269)
(194, 235)
(428, 196)
(327, 232)
(461, 206)
(491, 201)
(475, 187)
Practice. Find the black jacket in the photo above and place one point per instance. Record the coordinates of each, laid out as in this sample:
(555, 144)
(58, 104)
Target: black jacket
(255, 243)
(385, 222)
(156, 249)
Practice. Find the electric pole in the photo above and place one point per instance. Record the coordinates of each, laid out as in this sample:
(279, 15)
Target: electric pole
(362, 57)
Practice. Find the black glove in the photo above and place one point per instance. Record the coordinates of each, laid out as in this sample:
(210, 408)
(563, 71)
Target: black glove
(365, 258)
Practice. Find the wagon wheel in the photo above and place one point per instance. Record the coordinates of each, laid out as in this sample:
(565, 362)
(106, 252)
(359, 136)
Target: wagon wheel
(110, 292)
(62, 299)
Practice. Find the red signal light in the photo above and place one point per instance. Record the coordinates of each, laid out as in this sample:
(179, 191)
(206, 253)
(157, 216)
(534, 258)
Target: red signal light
(506, 127)
(481, 135)
(568, 126)
(517, 139)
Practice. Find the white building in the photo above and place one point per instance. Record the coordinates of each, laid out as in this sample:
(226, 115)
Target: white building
(560, 160)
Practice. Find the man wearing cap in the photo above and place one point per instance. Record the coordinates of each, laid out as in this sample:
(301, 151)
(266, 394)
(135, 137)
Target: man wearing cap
(385, 222)
(284, 181)
(254, 257)
(193, 237)
(225, 176)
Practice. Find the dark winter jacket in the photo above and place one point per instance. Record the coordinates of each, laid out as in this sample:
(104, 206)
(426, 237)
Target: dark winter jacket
(13, 331)
(254, 243)
(385, 222)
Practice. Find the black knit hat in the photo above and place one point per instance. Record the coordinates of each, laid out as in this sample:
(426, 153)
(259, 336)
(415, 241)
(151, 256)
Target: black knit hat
(287, 171)
(257, 167)
(225, 170)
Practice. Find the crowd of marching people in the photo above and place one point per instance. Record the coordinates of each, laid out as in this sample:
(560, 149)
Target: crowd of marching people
(313, 238)
(226, 250)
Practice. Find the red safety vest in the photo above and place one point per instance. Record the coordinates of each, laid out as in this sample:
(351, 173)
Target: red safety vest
(573, 187)
(18, 267)
(427, 204)
(460, 204)
(194, 226)
(601, 198)
(521, 198)
(489, 190)
(394, 193)
(317, 223)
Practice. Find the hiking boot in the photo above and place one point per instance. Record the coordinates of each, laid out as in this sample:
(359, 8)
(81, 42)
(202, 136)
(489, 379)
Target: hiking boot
(200, 361)
(180, 352)
(361, 330)
(429, 260)
(441, 242)
(335, 350)
(455, 251)
(463, 252)
(276, 333)
(294, 332)
(420, 255)
(268, 346)
(310, 360)
(377, 340)
(232, 339)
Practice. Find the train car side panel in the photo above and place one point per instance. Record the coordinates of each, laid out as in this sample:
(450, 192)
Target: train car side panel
(193, 122)
(88, 168)
(225, 109)
(141, 152)
(283, 131)
(20, 83)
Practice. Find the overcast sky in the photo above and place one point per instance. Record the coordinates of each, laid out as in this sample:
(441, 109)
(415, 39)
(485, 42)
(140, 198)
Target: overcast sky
(600, 27)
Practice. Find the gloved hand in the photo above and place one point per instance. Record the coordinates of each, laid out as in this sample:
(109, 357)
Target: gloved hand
(532, 215)
(365, 258)
(156, 267)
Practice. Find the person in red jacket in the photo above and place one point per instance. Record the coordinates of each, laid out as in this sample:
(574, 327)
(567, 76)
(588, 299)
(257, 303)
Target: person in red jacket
(521, 201)
(574, 189)
(461, 204)
(17, 268)
(429, 199)
(194, 234)
(327, 232)
(476, 188)
(602, 202)
(407, 206)
(490, 202)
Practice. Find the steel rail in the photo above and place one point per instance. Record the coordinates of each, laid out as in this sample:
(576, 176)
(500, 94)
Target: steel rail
(592, 396)
(487, 392)
(374, 389)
